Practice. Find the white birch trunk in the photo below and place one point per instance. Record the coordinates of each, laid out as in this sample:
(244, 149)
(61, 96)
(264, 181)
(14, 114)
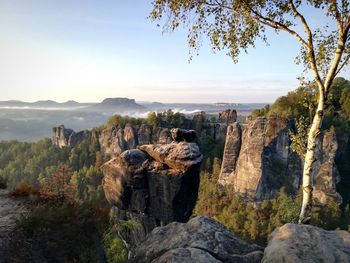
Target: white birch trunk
(315, 130)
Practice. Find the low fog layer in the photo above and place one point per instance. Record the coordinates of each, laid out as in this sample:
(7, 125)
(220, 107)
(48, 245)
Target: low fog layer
(31, 122)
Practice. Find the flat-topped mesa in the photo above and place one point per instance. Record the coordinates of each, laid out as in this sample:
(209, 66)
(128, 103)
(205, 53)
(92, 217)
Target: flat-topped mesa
(62, 137)
(259, 161)
(153, 185)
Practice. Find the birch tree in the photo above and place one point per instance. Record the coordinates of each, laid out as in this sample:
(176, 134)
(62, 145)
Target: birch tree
(235, 26)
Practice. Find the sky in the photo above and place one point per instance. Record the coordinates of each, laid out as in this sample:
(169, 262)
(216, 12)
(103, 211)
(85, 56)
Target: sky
(88, 50)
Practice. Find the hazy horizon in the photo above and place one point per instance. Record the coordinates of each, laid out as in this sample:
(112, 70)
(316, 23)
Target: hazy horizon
(137, 101)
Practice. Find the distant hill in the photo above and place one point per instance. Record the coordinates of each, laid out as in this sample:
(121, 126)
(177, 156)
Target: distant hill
(119, 105)
(42, 104)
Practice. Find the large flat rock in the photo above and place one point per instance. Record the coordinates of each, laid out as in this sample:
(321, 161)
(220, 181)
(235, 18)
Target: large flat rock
(201, 239)
(293, 243)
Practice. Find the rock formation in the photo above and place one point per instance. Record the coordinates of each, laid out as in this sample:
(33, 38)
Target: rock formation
(231, 152)
(325, 171)
(62, 137)
(180, 135)
(164, 136)
(201, 239)
(304, 243)
(115, 140)
(14, 245)
(153, 185)
(216, 130)
(228, 116)
(259, 161)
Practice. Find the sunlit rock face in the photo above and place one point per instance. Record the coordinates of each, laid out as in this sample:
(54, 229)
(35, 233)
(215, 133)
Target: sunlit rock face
(258, 161)
(62, 137)
(153, 185)
(228, 116)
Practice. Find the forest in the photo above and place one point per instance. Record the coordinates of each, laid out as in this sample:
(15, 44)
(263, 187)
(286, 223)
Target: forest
(67, 198)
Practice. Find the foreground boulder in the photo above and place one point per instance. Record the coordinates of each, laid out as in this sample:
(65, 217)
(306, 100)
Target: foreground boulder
(304, 243)
(153, 186)
(201, 239)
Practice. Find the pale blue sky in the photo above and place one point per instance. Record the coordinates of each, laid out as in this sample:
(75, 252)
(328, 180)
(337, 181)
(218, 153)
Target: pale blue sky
(88, 50)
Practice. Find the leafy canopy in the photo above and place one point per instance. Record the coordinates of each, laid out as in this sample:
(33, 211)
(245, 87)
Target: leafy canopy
(235, 26)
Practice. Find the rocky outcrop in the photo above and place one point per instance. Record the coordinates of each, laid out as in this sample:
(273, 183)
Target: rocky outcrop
(201, 239)
(231, 152)
(180, 135)
(228, 116)
(325, 172)
(62, 137)
(215, 129)
(144, 134)
(259, 161)
(115, 140)
(14, 246)
(164, 136)
(153, 186)
(304, 243)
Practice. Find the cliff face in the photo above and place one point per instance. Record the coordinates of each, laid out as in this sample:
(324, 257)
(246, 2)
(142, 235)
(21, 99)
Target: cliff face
(62, 137)
(153, 186)
(259, 161)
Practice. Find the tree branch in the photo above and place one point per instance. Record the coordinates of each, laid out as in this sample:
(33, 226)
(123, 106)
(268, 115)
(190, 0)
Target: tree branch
(337, 14)
(310, 44)
(347, 59)
(343, 36)
(277, 25)
(262, 19)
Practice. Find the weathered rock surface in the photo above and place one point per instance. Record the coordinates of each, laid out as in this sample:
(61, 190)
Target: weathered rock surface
(216, 130)
(259, 161)
(179, 156)
(62, 137)
(231, 152)
(180, 135)
(164, 136)
(304, 243)
(13, 245)
(144, 134)
(228, 116)
(115, 140)
(201, 239)
(325, 171)
(153, 186)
